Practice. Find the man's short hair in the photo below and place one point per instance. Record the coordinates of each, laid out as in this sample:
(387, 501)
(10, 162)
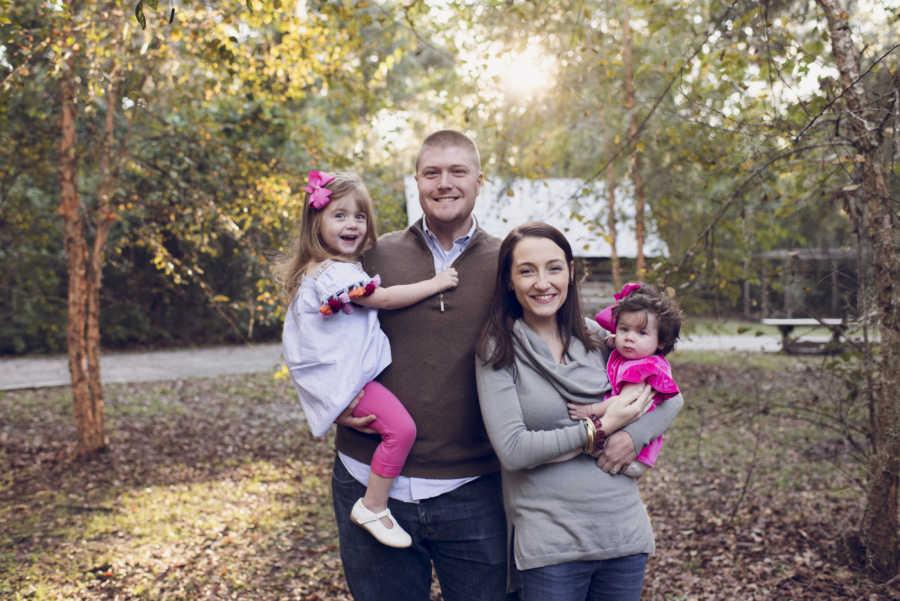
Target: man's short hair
(449, 137)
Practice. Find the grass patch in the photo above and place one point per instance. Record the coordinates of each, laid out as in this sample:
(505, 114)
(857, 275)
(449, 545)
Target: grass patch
(710, 326)
(768, 362)
(215, 489)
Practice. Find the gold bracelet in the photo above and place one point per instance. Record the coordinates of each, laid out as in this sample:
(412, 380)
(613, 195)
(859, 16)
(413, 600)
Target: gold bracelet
(591, 432)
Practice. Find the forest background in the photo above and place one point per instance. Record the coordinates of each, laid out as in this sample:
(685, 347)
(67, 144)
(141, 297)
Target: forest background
(153, 154)
(217, 116)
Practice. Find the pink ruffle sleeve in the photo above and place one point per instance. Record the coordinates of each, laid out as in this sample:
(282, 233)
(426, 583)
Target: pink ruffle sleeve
(654, 370)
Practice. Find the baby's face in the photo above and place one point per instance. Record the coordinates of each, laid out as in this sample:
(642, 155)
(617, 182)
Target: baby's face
(637, 334)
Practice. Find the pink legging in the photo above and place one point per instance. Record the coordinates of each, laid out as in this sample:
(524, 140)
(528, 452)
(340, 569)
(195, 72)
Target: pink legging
(396, 426)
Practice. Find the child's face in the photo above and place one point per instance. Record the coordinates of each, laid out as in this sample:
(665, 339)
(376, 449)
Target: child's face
(637, 334)
(343, 225)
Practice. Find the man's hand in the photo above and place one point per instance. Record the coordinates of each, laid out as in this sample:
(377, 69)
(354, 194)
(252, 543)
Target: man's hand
(617, 454)
(346, 418)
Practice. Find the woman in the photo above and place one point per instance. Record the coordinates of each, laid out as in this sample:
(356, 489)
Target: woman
(578, 532)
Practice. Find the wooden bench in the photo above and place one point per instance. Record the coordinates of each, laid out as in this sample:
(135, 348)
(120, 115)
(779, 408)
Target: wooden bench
(786, 325)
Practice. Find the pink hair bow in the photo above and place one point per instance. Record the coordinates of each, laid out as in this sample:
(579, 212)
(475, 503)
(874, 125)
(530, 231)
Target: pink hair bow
(626, 290)
(605, 317)
(319, 195)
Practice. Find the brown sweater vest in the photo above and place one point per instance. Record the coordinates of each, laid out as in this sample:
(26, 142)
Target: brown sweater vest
(433, 367)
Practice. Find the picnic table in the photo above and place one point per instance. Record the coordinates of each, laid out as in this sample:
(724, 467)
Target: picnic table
(786, 325)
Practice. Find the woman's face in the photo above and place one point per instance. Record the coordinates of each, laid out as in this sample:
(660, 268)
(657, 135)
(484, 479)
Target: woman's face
(539, 276)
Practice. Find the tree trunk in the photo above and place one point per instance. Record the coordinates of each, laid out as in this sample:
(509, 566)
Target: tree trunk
(880, 519)
(103, 221)
(611, 226)
(631, 105)
(88, 420)
(85, 269)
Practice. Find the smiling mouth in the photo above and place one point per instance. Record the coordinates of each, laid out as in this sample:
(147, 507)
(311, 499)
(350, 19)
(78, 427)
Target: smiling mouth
(544, 298)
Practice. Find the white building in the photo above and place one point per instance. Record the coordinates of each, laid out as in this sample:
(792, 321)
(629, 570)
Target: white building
(577, 209)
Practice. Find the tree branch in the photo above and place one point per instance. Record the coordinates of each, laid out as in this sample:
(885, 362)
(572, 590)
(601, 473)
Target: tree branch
(844, 91)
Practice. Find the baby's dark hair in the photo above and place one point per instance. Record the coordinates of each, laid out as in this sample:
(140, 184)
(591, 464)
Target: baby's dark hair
(647, 298)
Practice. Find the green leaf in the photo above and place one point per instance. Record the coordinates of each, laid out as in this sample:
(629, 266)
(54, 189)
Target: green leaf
(139, 14)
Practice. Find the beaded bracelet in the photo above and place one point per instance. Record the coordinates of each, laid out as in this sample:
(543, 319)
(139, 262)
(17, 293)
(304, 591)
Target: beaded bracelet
(599, 438)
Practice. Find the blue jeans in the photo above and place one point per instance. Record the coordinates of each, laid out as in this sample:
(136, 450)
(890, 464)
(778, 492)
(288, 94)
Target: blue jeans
(462, 532)
(617, 579)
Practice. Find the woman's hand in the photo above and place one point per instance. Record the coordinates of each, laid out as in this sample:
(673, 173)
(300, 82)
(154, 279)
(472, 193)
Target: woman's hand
(346, 418)
(617, 454)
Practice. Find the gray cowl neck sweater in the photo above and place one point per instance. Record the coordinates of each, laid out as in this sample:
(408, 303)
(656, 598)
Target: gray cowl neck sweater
(569, 510)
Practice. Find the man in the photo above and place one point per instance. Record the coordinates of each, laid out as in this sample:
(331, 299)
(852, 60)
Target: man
(448, 496)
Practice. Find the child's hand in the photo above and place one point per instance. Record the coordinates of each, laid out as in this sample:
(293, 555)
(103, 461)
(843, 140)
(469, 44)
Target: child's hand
(580, 411)
(446, 279)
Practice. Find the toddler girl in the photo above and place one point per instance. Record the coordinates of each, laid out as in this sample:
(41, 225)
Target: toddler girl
(646, 325)
(333, 348)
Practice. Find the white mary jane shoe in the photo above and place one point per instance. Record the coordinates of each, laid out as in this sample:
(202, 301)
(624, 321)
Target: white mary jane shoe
(371, 521)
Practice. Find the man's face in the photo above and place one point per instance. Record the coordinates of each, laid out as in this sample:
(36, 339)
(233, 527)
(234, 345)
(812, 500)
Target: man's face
(448, 181)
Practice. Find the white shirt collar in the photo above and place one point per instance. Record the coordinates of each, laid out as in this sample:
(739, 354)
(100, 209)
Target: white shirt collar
(461, 240)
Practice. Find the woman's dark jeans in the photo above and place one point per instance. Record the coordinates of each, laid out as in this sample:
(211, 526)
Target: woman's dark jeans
(463, 532)
(617, 579)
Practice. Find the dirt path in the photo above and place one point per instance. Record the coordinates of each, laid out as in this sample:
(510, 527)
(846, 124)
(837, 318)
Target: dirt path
(40, 372)
(144, 366)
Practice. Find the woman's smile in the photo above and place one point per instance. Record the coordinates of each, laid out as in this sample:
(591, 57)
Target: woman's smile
(540, 278)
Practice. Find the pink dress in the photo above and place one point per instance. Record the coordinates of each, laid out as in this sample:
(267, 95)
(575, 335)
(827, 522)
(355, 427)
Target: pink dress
(655, 370)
